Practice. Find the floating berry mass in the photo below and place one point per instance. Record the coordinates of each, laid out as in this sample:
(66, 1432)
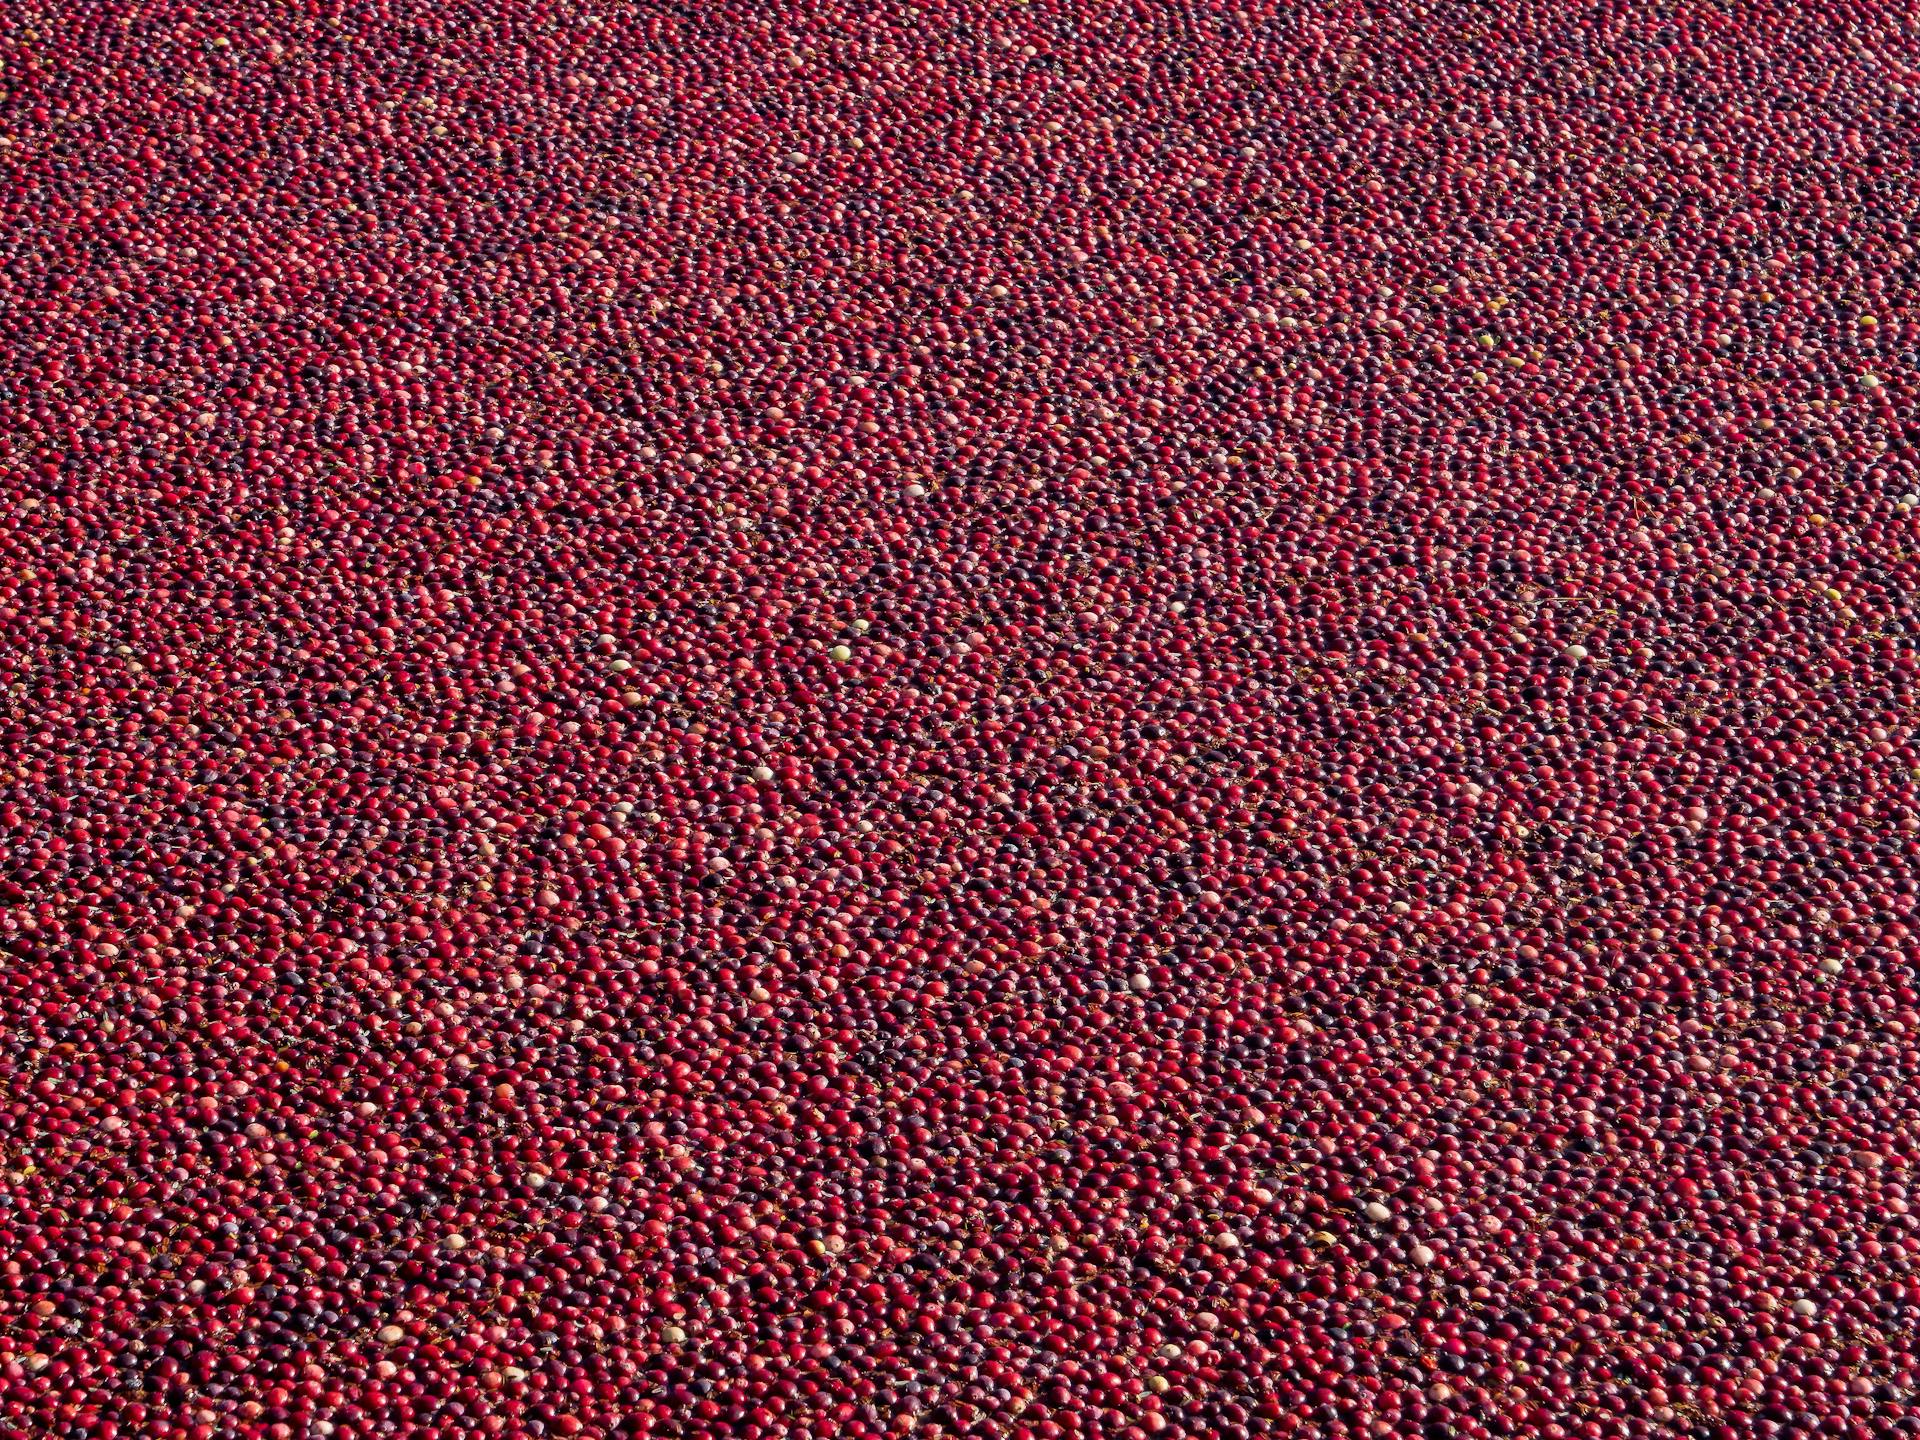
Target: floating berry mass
(1024, 721)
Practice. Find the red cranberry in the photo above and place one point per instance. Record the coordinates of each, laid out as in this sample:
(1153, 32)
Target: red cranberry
(957, 722)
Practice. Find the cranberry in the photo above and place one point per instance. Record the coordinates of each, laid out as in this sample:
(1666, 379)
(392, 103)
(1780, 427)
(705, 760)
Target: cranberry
(957, 721)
